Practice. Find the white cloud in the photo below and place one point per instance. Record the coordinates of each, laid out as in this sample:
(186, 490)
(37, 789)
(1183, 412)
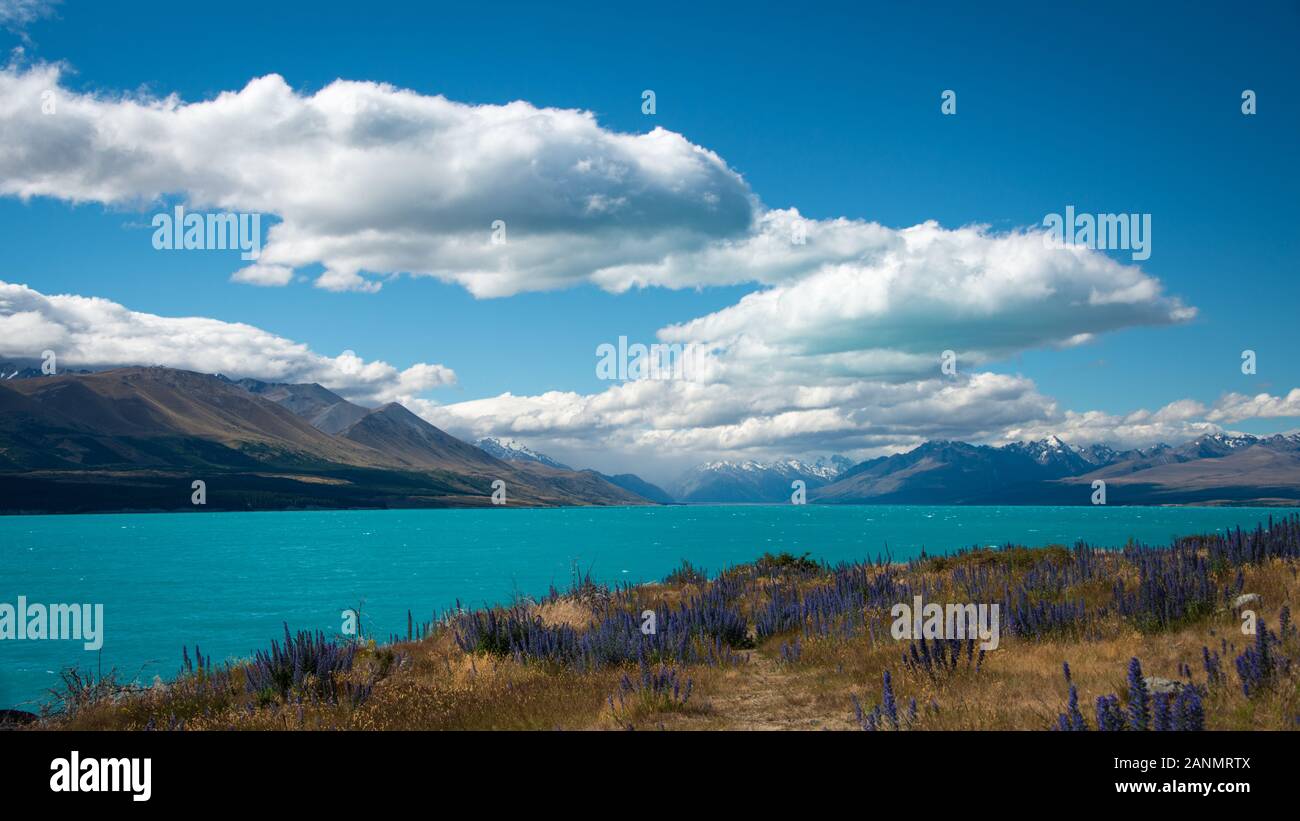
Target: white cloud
(656, 428)
(263, 275)
(18, 13)
(651, 419)
(91, 332)
(887, 303)
(370, 179)
(1137, 429)
(1235, 407)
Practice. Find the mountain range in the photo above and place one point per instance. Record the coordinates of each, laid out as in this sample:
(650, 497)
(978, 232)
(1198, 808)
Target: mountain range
(137, 438)
(1213, 469)
(510, 450)
(751, 481)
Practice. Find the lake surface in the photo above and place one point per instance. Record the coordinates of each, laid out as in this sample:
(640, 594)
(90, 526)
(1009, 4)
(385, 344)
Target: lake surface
(229, 580)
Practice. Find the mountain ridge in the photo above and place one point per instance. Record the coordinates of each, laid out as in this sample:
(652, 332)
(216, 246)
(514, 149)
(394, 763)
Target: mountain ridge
(1211, 469)
(135, 439)
(132, 434)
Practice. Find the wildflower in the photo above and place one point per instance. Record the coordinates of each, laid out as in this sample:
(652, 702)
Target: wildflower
(1139, 700)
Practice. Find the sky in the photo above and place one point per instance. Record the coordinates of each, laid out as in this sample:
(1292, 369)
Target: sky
(380, 146)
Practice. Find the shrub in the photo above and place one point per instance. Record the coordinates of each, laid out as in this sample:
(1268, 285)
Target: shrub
(687, 573)
(307, 665)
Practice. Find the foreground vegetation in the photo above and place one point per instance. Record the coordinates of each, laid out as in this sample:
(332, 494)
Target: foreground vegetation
(1131, 639)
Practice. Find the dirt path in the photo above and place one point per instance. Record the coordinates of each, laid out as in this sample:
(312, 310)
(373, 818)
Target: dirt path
(761, 695)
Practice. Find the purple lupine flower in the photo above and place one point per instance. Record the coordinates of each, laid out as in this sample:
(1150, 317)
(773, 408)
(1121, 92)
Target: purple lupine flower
(1109, 715)
(1162, 713)
(1139, 700)
(1077, 723)
(888, 702)
(1189, 715)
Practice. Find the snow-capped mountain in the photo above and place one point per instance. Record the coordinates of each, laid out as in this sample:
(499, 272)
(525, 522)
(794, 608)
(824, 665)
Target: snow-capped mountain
(754, 481)
(1217, 444)
(1218, 468)
(1097, 454)
(20, 370)
(512, 450)
(1055, 455)
(822, 467)
(9, 370)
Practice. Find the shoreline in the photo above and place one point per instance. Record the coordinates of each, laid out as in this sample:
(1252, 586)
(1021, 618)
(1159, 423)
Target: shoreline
(546, 645)
(649, 505)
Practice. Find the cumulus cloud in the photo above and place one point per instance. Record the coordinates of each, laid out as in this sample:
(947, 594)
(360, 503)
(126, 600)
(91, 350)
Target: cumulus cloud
(1176, 422)
(647, 425)
(1235, 407)
(1136, 429)
(87, 332)
(370, 179)
(889, 302)
(651, 418)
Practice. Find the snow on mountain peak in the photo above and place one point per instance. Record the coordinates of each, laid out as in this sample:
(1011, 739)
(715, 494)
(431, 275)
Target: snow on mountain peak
(823, 467)
(512, 450)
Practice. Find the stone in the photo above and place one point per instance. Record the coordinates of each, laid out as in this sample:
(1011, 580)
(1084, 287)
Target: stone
(10, 719)
(1166, 686)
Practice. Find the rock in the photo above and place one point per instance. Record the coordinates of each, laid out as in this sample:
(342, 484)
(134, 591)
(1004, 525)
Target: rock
(1245, 599)
(9, 719)
(1164, 686)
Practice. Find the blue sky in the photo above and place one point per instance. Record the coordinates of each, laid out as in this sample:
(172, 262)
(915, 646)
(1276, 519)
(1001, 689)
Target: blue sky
(832, 109)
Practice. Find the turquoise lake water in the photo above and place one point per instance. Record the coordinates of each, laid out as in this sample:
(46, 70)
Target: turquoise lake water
(229, 580)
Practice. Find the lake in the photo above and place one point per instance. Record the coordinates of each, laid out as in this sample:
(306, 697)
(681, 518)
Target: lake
(229, 580)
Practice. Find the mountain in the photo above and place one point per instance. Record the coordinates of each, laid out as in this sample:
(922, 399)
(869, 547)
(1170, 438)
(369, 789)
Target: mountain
(324, 409)
(160, 417)
(27, 370)
(514, 451)
(1097, 454)
(752, 481)
(1213, 469)
(13, 370)
(1055, 457)
(639, 486)
(411, 442)
(136, 438)
(942, 472)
